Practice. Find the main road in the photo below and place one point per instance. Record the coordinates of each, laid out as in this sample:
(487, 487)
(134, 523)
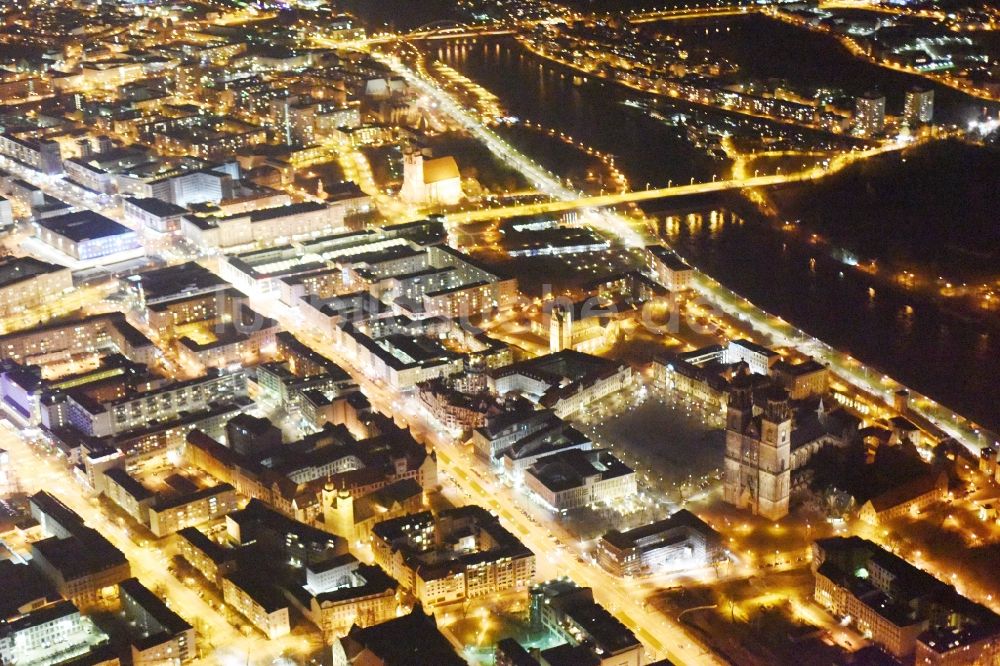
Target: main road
(221, 643)
(556, 549)
(565, 199)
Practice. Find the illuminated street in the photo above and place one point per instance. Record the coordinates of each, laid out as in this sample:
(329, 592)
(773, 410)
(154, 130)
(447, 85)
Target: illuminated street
(499, 333)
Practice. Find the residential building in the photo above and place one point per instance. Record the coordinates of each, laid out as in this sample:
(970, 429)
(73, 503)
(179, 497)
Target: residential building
(44, 156)
(129, 494)
(258, 601)
(869, 114)
(918, 106)
(81, 564)
(456, 555)
(27, 283)
(669, 269)
(570, 613)
(341, 592)
(162, 403)
(902, 608)
(157, 635)
(213, 560)
(167, 516)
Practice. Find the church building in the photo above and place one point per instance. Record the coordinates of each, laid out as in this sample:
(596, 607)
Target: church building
(430, 181)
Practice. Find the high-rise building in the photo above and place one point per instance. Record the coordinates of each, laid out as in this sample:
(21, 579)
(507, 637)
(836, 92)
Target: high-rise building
(85, 147)
(50, 158)
(105, 144)
(758, 453)
(919, 106)
(869, 114)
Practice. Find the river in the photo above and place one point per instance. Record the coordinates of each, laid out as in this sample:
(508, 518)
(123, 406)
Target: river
(952, 360)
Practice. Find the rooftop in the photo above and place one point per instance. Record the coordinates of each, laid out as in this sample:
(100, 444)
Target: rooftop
(156, 207)
(570, 469)
(682, 520)
(17, 269)
(405, 641)
(83, 226)
(173, 281)
(168, 621)
(259, 589)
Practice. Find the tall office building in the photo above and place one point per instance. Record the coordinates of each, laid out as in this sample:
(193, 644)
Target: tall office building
(919, 106)
(869, 114)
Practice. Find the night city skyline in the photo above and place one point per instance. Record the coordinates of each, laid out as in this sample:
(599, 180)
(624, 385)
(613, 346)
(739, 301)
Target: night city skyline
(499, 332)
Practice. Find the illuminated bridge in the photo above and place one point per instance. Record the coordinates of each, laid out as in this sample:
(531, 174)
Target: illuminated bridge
(603, 200)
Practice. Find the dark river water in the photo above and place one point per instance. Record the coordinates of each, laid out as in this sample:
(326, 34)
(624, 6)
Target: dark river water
(590, 110)
(764, 49)
(954, 360)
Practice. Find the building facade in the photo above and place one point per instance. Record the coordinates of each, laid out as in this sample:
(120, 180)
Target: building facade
(758, 462)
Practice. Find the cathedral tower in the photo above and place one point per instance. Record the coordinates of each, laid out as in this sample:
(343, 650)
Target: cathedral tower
(758, 471)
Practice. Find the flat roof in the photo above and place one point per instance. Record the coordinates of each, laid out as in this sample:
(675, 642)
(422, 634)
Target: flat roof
(83, 226)
(669, 258)
(171, 282)
(18, 269)
(129, 484)
(39, 617)
(568, 469)
(752, 346)
(259, 589)
(22, 584)
(196, 496)
(799, 369)
(211, 549)
(680, 520)
(169, 621)
(80, 555)
(156, 207)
